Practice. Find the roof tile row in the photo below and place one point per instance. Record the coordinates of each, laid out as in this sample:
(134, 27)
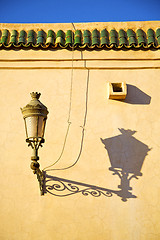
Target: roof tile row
(78, 39)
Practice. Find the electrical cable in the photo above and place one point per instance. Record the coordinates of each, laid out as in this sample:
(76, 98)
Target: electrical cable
(83, 131)
(70, 106)
(69, 115)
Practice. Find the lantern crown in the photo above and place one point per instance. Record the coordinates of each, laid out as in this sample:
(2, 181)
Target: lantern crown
(34, 107)
(35, 95)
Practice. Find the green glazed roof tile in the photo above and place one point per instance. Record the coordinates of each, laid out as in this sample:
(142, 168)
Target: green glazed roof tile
(86, 33)
(30, 37)
(40, 33)
(5, 35)
(122, 41)
(104, 37)
(150, 32)
(95, 33)
(78, 38)
(40, 40)
(61, 34)
(60, 41)
(140, 37)
(40, 37)
(113, 40)
(141, 40)
(104, 33)
(158, 35)
(60, 38)
(113, 37)
(113, 33)
(30, 33)
(87, 37)
(50, 37)
(150, 37)
(123, 38)
(50, 40)
(22, 33)
(151, 40)
(50, 33)
(130, 33)
(95, 37)
(131, 37)
(140, 32)
(22, 37)
(78, 33)
(77, 41)
(13, 38)
(121, 33)
(104, 41)
(132, 41)
(95, 41)
(158, 32)
(69, 37)
(86, 40)
(158, 40)
(69, 33)
(14, 33)
(4, 40)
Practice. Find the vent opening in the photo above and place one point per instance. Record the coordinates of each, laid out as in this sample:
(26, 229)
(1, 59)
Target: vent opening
(117, 87)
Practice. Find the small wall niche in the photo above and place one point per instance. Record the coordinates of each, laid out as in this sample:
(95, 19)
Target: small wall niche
(117, 91)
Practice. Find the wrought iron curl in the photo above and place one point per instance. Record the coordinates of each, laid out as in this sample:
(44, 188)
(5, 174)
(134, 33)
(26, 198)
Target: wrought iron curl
(60, 186)
(94, 193)
(68, 189)
(73, 188)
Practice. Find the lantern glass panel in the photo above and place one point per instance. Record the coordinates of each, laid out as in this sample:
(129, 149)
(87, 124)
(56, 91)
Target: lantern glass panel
(41, 126)
(35, 126)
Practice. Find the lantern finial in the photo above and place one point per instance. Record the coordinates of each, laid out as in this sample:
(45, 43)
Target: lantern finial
(35, 95)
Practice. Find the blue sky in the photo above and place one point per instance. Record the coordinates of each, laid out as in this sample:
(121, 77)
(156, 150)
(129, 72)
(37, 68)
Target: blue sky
(54, 11)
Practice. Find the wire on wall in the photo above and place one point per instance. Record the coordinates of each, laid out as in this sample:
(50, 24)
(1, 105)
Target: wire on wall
(83, 131)
(69, 116)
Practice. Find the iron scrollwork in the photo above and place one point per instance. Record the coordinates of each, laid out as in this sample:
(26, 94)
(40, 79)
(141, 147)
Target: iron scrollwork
(62, 187)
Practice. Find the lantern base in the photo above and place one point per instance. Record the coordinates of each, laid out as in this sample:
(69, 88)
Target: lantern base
(41, 178)
(40, 175)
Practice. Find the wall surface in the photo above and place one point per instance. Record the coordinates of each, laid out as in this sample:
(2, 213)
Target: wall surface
(101, 156)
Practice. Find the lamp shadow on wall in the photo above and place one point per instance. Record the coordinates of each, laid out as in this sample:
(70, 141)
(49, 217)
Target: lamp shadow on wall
(126, 155)
(136, 96)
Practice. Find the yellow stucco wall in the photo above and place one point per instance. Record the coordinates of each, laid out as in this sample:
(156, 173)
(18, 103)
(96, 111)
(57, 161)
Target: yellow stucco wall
(102, 133)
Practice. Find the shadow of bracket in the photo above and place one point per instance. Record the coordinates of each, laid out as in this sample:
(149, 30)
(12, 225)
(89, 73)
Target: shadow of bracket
(61, 187)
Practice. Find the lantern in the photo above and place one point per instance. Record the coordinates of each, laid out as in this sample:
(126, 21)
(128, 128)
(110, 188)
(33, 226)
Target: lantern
(35, 116)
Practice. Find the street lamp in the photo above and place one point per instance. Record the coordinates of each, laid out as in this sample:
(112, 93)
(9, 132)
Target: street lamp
(35, 116)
